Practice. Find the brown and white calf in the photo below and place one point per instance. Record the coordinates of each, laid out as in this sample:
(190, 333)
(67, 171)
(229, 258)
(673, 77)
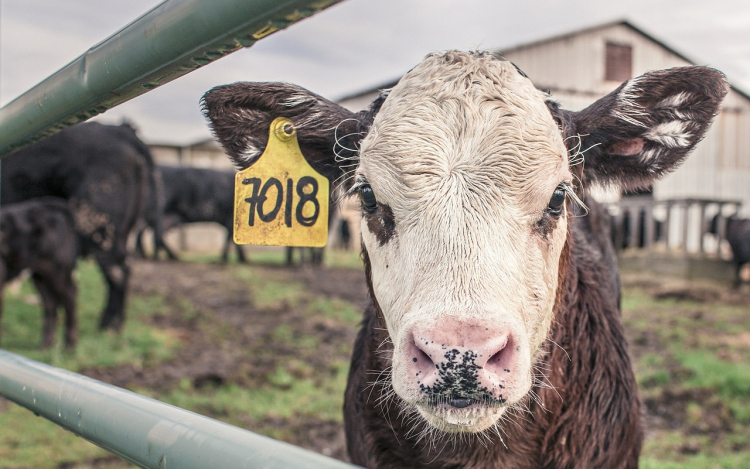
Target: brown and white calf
(494, 336)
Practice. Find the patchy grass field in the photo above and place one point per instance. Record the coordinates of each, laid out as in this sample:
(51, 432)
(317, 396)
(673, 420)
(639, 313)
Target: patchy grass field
(691, 346)
(267, 348)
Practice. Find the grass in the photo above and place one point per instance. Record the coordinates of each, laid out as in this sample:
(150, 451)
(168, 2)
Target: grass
(139, 344)
(33, 442)
(692, 359)
(727, 379)
(336, 309)
(282, 396)
(27, 441)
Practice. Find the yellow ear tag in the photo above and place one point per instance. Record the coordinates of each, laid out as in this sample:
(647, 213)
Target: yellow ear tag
(281, 200)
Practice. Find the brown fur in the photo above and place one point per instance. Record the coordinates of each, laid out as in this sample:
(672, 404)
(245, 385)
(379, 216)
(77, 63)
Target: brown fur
(593, 423)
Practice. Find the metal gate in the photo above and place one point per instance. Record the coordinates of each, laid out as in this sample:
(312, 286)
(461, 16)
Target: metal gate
(171, 40)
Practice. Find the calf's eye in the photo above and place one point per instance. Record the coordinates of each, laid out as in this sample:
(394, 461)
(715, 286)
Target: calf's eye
(367, 196)
(557, 201)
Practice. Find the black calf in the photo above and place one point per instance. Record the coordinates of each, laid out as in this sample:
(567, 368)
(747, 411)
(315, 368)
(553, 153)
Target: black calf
(39, 235)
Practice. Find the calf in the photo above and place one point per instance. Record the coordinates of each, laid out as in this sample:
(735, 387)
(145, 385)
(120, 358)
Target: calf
(103, 171)
(193, 195)
(738, 236)
(494, 337)
(39, 235)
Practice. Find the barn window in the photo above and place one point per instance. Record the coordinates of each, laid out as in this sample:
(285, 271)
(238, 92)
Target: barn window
(619, 62)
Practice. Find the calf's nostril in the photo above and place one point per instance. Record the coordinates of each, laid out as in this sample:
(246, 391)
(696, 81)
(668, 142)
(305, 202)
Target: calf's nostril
(460, 402)
(420, 357)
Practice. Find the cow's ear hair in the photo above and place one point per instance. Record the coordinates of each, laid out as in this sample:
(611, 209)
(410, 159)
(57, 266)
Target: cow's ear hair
(646, 127)
(240, 115)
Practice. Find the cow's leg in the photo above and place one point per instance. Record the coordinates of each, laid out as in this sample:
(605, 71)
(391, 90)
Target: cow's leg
(116, 274)
(170, 254)
(66, 292)
(317, 256)
(737, 276)
(106, 210)
(168, 222)
(139, 243)
(157, 246)
(225, 249)
(289, 256)
(160, 245)
(240, 253)
(49, 306)
(2, 287)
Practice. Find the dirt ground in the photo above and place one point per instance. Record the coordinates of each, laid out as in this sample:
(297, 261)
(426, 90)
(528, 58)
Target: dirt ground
(228, 339)
(225, 328)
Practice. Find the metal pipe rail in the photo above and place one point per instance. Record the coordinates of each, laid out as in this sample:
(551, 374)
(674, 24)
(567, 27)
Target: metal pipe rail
(141, 430)
(171, 40)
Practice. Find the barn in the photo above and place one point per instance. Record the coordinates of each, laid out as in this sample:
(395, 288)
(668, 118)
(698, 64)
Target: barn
(581, 66)
(576, 69)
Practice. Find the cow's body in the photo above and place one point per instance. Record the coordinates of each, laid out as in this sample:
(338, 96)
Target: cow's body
(738, 236)
(39, 235)
(103, 171)
(494, 337)
(194, 195)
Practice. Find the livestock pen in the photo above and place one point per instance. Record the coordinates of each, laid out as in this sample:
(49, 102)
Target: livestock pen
(173, 39)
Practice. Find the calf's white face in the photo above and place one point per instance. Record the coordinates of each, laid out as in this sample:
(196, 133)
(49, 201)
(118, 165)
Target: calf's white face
(463, 159)
(463, 172)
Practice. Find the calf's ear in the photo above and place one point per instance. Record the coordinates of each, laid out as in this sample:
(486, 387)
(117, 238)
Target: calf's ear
(240, 115)
(646, 127)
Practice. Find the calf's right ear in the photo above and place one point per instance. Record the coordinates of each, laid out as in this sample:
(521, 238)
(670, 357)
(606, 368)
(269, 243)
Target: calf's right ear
(646, 127)
(240, 115)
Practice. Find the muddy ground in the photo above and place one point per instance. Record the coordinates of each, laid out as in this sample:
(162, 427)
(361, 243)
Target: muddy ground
(229, 336)
(227, 339)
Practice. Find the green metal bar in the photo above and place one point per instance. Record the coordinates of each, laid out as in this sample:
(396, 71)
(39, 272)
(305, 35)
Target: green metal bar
(173, 39)
(146, 432)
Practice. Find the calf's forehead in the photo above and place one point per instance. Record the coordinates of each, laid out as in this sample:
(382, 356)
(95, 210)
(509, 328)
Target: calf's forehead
(468, 116)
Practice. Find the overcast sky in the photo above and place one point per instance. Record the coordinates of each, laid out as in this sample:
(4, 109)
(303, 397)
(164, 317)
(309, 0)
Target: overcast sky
(352, 46)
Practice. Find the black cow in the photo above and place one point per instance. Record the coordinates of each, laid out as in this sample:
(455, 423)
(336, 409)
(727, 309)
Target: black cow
(193, 195)
(103, 172)
(39, 235)
(738, 236)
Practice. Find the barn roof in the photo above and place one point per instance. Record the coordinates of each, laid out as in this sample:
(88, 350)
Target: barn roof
(560, 37)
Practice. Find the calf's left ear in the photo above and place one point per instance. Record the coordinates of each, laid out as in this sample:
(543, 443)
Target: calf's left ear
(646, 127)
(240, 115)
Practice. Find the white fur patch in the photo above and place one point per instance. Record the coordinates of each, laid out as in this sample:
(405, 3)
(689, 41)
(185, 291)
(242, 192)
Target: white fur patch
(629, 110)
(650, 155)
(249, 154)
(672, 134)
(296, 100)
(674, 101)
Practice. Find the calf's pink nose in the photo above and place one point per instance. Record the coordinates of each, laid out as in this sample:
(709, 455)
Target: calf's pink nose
(461, 362)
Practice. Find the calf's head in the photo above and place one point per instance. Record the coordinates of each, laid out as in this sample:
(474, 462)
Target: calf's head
(466, 174)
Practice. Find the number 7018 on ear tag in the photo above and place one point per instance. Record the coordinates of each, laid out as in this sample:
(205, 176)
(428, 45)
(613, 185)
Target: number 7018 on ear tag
(281, 200)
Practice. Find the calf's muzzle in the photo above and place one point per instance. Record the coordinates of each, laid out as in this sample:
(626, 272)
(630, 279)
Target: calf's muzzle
(460, 363)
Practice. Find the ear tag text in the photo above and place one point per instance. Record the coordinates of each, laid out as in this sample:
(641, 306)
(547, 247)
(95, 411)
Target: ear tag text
(281, 200)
